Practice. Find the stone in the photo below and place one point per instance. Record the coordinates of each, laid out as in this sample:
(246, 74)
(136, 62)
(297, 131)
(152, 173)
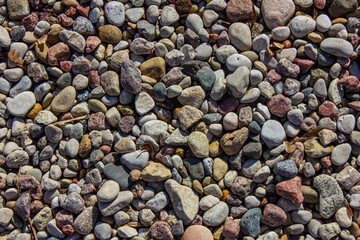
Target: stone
(193, 96)
(5, 216)
(85, 221)
(239, 10)
(267, 133)
(216, 215)
(18, 9)
(108, 191)
(277, 13)
(238, 81)
(64, 101)
(300, 26)
(155, 172)
(197, 232)
(240, 36)
(198, 144)
(232, 142)
(291, 190)
(339, 8)
(130, 77)
(21, 104)
(135, 160)
(110, 82)
(5, 40)
(144, 103)
(340, 154)
(123, 199)
(348, 177)
(115, 13)
(188, 116)
(331, 196)
(337, 47)
(73, 39)
(250, 222)
(273, 215)
(110, 34)
(117, 173)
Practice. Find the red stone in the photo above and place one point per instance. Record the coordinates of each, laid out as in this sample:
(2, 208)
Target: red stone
(273, 216)
(96, 121)
(105, 149)
(65, 21)
(30, 21)
(329, 109)
(223, 39)
(228, 105)
(197, 220)
(245, 116)
(308, 124)
(36, 193)
(279, 105)
(58, 52)
(273, 76)
(92, 42)
(231, 228)
(163, 215)
(291, 190)
(87, 188)
(138, 188)
(355, 105)
(319, 4)
(126, 124)
(161, 231)
(2, 160)
(239, 10)
(167, 150)
(304, 64)
(213, 37)
(83, 10)
(326, 161)
(64, 218)
(94, 79)
(66, 66)
(68, 230)
(36, 206)
(287, 68)
(70, 11)
(350, 83)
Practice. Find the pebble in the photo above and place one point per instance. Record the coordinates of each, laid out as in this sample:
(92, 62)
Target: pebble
(267, 133)
(108, 192)
(331, 195)
(216, 215)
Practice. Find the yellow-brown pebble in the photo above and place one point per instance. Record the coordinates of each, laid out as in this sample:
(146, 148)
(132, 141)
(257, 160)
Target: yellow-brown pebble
(34, 112)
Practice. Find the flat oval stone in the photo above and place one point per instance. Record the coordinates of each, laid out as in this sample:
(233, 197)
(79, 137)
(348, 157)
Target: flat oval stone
(108, 191)
(64, 101)
(216, 215)
(21, 104)
(337, 46)
(272, 133)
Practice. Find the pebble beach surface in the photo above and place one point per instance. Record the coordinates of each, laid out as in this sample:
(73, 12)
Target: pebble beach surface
(179, 119)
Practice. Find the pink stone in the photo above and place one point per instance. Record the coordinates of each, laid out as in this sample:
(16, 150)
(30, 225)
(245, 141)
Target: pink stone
(291, 190)
(239, 10)
(231, 228)
(273, 215)
(58, 52)
(319, 4)
(92, 43)
(329, 109)
(273, 76)
(304, 64)
(279, 105)
(197, 232)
